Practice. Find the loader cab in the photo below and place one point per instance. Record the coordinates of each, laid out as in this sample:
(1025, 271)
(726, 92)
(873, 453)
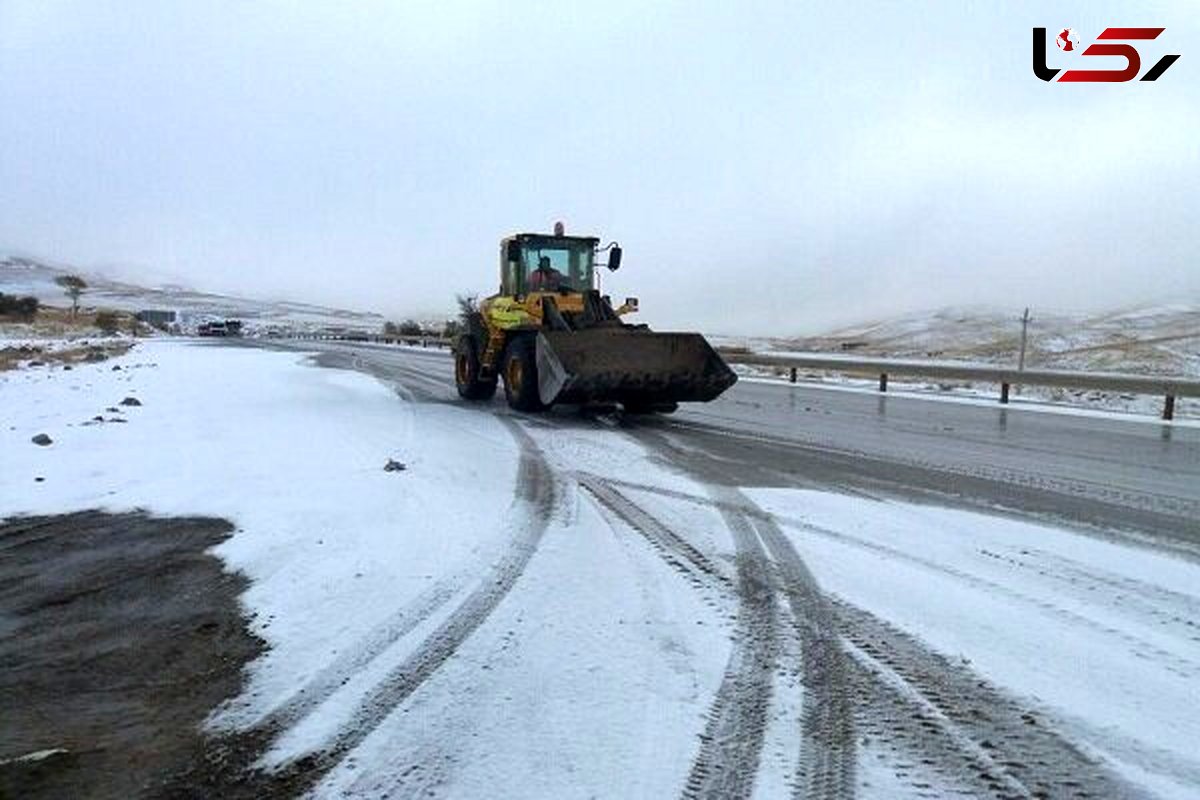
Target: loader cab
(562, 264)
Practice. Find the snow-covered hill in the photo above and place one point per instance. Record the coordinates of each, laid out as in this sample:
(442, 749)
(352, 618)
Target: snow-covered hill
(1160, 339)
(1151, 340)
(27, 276)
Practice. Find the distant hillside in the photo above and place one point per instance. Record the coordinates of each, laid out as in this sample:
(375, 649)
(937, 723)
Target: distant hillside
(1163, 339)
(26, 276)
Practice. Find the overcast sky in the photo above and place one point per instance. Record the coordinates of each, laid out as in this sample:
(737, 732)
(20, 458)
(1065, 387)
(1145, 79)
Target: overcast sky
(769, 168)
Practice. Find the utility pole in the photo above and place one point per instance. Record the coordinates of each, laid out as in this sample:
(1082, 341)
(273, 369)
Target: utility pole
(1024, 338)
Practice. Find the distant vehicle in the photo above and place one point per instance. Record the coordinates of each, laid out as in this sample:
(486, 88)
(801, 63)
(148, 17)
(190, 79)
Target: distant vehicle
(228, 327)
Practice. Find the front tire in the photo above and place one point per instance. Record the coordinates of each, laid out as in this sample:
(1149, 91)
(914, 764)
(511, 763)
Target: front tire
(520, 375)
(466, 372)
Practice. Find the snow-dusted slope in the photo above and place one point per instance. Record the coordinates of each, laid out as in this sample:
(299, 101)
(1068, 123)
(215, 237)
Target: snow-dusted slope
(26, 276)
(1153, 340)
(1162, 339)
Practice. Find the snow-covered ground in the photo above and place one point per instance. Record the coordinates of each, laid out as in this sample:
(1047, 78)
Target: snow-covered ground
(528, 610)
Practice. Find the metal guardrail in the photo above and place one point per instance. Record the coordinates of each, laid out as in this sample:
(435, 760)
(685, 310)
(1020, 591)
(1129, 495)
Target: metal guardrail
(412, 341)
(1166, 387)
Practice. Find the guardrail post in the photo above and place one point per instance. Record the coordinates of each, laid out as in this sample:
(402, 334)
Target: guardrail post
(1004, 393)
(792, 377)
(1169, 407)
(883, 381)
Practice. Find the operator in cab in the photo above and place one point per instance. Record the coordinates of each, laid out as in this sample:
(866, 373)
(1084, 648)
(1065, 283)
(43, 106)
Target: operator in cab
(545, 278)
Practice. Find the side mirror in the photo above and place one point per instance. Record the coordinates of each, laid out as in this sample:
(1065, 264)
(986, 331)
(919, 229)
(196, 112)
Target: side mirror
(614, 258)
(513, 251)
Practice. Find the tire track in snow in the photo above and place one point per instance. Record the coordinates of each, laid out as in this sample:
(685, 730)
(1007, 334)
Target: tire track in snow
(1000, 749)
(828, 754)
(912, 699)
(731, 743)
(670, 546)
(1138, 645)
(229, 768)
(537, 495)
(1163, 606)
(887, 686)
(956, 723)
(331, 678)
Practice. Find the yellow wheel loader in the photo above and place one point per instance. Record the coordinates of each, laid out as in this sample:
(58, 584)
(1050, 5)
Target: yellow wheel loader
(552, 338)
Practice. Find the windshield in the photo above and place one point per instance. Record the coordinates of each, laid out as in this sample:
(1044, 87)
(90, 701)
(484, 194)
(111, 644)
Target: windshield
(553, 265)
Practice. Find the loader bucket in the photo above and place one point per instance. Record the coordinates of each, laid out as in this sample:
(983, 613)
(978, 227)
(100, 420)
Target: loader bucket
(628, 365)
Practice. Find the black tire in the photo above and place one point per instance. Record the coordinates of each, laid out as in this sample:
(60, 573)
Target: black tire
(466, 372)
(519, 367)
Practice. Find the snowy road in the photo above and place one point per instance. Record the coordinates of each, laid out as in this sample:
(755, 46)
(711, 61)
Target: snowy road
(916, 597)
(791, 592)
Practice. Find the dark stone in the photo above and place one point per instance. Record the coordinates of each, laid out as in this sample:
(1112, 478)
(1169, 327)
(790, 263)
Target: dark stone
(131, 401)
(394, 466)
(42, 439)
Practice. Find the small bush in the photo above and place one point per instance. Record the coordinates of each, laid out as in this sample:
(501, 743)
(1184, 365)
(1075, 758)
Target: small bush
(24, 308)
(409, 328)
(108, 321)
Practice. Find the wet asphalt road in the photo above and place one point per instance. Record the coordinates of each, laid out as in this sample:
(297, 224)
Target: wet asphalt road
(1127, 478)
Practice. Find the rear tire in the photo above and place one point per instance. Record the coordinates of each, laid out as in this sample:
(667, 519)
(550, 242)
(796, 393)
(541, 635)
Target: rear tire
(466, 372)
(520, 375)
